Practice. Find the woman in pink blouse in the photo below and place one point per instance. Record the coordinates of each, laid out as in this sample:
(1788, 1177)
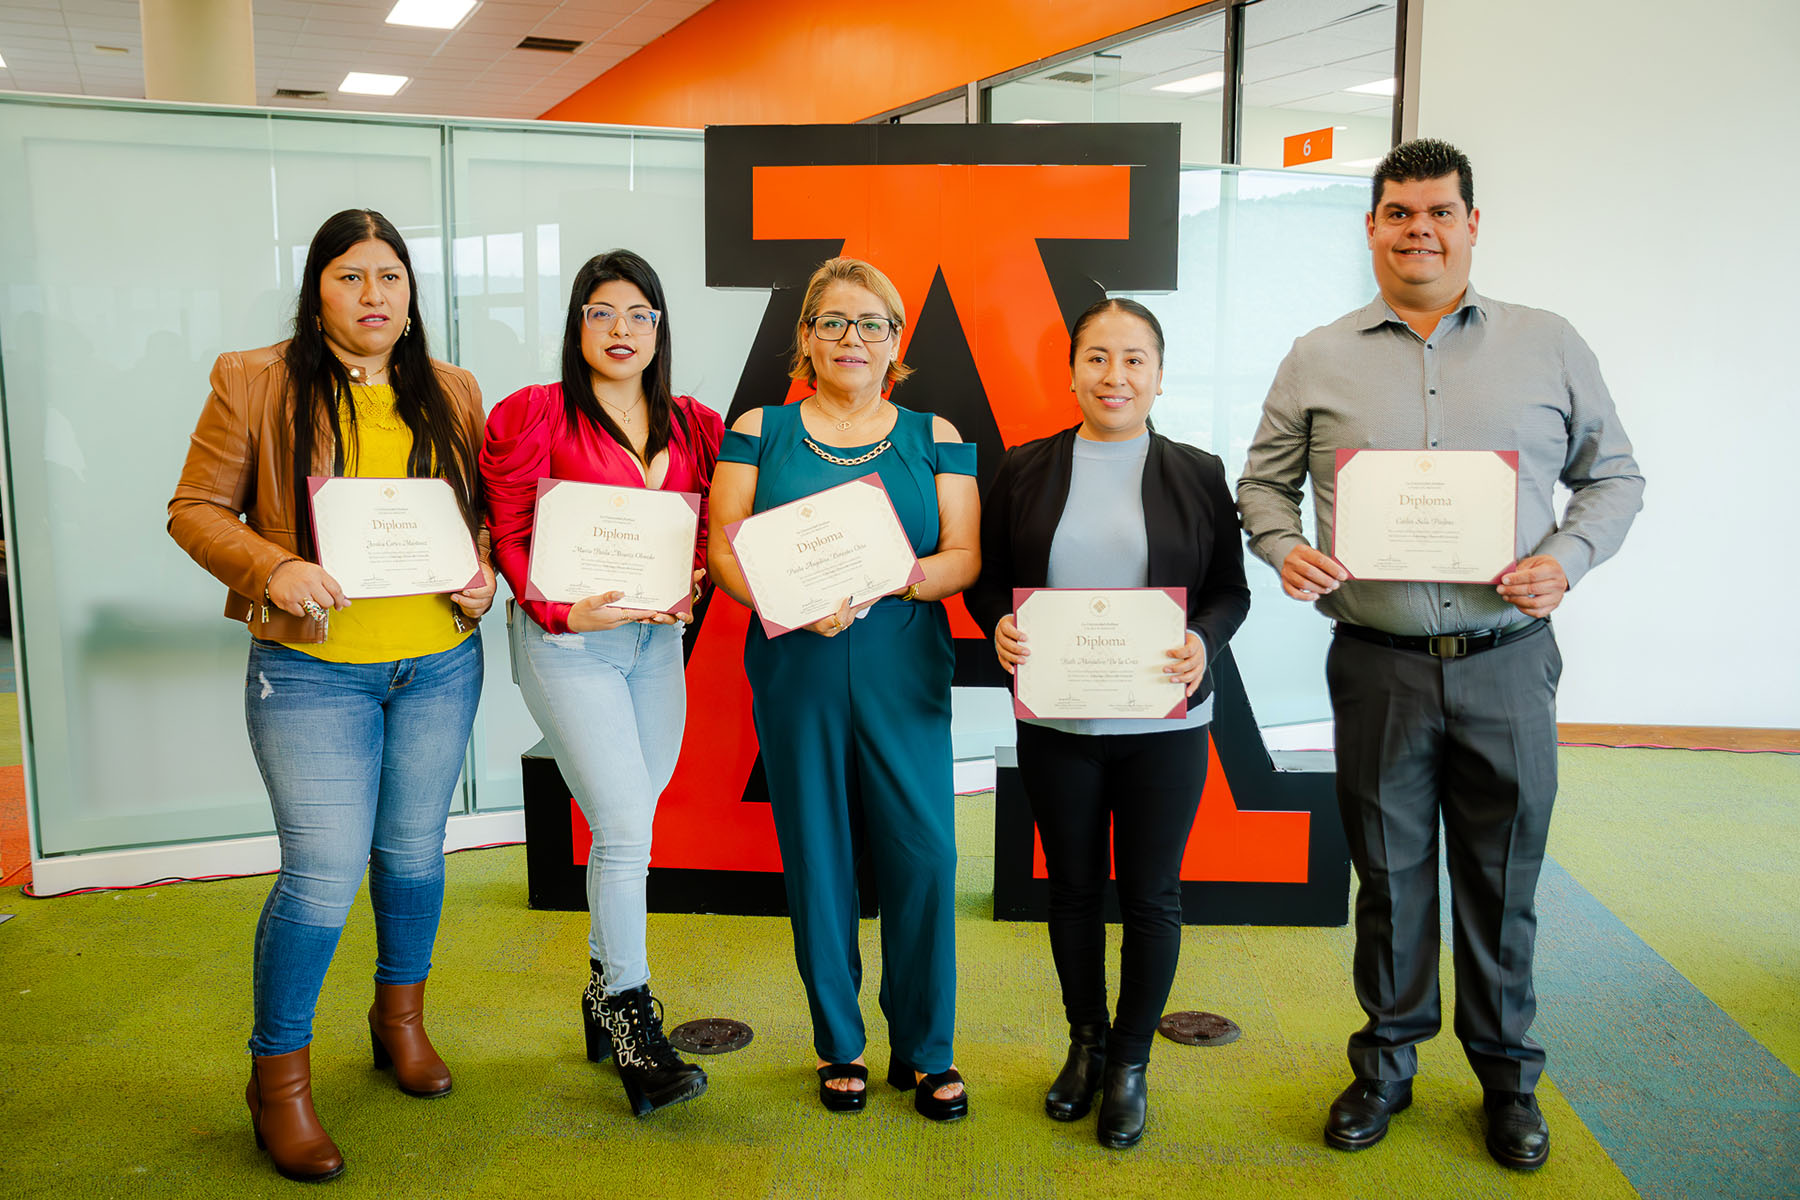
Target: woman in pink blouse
(605, 685)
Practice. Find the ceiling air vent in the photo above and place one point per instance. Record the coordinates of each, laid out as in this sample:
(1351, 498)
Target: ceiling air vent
(554, 45)
(1071, 77)
(299, 94)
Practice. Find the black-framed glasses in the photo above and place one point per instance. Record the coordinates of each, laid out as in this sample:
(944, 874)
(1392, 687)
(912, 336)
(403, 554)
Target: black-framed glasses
(869, 329)
(604, 316)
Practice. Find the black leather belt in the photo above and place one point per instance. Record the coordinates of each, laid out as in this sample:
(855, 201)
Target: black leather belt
(1447, 645)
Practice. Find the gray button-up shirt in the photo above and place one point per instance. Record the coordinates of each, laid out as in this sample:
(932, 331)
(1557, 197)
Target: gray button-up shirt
(1492, 376)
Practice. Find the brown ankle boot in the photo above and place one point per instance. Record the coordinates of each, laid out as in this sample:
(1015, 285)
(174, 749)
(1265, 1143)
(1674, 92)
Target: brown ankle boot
(397, 1036)
(281, 1112)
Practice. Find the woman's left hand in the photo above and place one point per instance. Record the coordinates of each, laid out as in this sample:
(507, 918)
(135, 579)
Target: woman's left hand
(1189, 666)
(476, 601)
(687, 618)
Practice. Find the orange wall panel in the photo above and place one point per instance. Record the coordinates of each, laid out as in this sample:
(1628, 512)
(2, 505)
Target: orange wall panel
(776, 62)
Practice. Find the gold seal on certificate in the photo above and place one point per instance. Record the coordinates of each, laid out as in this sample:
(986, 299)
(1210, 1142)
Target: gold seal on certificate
(1099, 652)
(589, 538)
(1426, 516)
(803, 558)
(392, 537)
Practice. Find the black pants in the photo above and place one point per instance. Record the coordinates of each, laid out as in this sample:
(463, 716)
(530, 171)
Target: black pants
(1470, 742)
(1146, 787)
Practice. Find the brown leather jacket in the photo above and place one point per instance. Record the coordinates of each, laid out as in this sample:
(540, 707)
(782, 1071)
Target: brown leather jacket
(240, 462)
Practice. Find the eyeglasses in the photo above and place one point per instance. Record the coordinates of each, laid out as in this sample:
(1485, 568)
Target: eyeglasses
(604, 316)
(869, 329)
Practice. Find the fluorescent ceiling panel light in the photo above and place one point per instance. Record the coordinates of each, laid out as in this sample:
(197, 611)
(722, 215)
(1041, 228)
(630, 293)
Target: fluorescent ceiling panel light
(431, 14)
(1212, 81)
(361, 83)
(1381, 87)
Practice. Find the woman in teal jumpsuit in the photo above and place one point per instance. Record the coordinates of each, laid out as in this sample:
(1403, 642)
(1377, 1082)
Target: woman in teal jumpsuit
(853, 712)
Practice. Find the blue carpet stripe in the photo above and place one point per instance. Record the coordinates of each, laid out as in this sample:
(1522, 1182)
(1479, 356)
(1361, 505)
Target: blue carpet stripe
(1678, 1093)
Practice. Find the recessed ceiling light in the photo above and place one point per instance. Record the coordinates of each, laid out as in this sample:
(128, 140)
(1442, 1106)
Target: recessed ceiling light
(363, 84)
(431, 14)
(1381, 87)
(1212, 81)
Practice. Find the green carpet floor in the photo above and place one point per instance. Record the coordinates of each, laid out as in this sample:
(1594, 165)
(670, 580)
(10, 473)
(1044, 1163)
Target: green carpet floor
(1700, 854)
(123, 1018)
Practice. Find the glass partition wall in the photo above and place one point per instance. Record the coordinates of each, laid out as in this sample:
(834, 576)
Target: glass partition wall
(143, 240)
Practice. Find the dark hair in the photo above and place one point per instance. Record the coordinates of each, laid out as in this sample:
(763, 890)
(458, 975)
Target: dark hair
(440, 443)
(1116, 304)
(1425, 158)
(579, 402)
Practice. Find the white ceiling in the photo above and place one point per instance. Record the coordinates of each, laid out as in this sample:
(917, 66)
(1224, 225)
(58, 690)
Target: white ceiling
(475, 70)
(1297, 54)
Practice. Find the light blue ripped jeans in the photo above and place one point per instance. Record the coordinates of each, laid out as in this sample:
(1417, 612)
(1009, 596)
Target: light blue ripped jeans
(611, 705)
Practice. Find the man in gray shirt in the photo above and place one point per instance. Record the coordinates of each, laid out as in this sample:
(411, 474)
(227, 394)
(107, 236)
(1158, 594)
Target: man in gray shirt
(1444, 694)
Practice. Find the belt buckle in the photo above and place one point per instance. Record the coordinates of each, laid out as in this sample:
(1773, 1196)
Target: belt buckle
(1452, 645)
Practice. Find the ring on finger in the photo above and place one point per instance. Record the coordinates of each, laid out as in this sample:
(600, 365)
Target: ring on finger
(311, 608)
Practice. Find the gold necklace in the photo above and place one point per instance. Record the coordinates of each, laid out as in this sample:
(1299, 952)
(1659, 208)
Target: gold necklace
(359, 375)
(841, 426)
(625, 416)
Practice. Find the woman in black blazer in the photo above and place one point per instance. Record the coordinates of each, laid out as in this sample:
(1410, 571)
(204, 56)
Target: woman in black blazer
(1111, 503)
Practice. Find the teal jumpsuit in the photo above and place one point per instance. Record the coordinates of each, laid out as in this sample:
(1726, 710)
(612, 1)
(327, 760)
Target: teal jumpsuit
(865, 714)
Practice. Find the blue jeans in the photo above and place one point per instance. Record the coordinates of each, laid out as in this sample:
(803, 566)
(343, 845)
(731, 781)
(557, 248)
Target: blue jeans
(360, 760)
(611, 705)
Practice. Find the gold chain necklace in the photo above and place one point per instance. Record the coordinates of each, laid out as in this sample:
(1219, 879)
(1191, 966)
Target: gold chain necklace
(858, 461)
(623, 416)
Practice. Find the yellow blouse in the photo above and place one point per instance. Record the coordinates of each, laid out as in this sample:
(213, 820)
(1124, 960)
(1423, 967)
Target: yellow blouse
(382, 629)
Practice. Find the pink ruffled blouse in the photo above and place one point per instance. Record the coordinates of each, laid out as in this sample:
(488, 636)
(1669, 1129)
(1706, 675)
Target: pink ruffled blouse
(528, 439)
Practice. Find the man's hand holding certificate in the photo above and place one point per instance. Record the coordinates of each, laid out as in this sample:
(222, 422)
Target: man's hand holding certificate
(392, 537)
(1099, 652)
(802, 559)
(1431, 516)
(590, 539)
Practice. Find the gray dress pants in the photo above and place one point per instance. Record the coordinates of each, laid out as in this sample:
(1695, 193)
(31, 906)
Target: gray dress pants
(1470, 742)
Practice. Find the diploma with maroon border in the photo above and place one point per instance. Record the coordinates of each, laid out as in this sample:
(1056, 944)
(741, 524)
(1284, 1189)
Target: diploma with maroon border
(590, 538)
(1099, 652)
(1426, 516)
(392, 537)
(801, 559)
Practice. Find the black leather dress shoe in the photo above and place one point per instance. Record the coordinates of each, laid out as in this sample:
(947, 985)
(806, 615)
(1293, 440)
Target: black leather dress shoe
(1072, 1094)
(1517, 1135)
(1359, 1116)
(1124, 1103)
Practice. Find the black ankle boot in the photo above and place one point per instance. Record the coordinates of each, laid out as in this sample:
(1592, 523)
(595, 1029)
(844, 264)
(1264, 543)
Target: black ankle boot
(1124, 1102)
(1072, 1094)
(593, 1023)
(653, 1074)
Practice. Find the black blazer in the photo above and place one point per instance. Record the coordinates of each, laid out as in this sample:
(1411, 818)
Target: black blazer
(1189, 519)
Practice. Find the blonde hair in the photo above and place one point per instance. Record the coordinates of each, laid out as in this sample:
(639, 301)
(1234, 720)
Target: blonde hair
(864, 275)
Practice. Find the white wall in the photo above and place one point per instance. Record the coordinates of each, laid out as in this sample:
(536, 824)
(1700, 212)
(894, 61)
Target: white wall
(1635, 167)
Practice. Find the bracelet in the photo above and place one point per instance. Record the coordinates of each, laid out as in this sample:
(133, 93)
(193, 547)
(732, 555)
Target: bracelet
(911, 592)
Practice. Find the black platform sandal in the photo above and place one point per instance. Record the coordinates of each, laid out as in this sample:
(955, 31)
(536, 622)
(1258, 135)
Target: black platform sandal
(902, 1077)
(843, 1099)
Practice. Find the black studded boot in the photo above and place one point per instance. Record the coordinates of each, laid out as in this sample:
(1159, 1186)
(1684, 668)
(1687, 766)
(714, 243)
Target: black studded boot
(593, 1021)
(653, 1074)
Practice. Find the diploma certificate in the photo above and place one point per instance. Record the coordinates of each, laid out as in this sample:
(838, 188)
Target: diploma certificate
(1426, 516)
(392, 537)
(1099, 652)
(801, 559)
(589, 538)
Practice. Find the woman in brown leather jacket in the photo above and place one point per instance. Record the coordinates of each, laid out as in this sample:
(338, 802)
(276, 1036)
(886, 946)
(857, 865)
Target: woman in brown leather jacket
(358, 716)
